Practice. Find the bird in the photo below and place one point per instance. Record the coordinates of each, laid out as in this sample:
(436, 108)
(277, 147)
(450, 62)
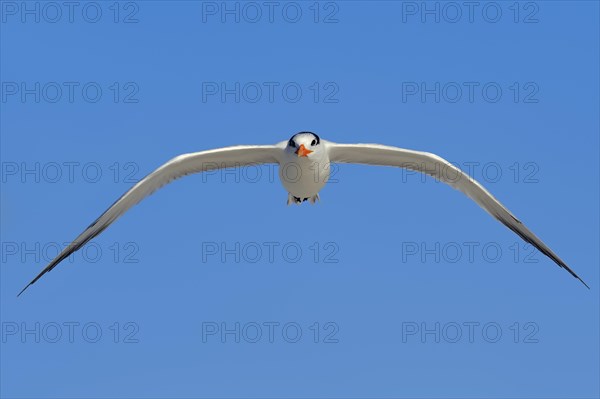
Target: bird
(304, 168)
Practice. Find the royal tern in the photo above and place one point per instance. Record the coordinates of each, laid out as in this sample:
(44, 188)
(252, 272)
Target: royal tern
(304, 169)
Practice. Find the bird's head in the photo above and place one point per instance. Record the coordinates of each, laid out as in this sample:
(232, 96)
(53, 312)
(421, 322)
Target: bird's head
(304, 144)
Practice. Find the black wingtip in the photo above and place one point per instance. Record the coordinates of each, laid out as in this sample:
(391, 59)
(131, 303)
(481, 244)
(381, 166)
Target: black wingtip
(583, 282)
(574, 274)
(563, 265)
(27, 286)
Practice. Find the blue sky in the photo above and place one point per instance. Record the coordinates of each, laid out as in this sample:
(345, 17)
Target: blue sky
(392, 286)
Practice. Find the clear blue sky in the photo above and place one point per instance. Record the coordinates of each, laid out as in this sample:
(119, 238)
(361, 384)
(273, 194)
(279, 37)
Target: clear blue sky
(409, 289)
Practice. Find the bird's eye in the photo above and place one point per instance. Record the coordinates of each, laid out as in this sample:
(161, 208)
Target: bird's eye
(291, 143)
(313, 143)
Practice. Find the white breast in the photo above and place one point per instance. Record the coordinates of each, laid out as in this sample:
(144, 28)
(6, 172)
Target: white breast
(304, 177)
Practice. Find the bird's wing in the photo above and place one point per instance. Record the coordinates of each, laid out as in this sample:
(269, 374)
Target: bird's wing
(177, 167)
(439, 168)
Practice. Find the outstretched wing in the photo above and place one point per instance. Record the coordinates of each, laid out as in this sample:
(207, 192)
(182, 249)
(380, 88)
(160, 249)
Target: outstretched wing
(177, 167)
(439, 168)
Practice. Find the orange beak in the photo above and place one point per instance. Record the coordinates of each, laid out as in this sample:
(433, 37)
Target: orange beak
(302, 151)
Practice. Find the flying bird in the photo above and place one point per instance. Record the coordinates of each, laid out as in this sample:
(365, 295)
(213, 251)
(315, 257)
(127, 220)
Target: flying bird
(304, 168)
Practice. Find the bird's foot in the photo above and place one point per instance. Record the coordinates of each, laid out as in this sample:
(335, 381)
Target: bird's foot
(293, 200)
(297, 200)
